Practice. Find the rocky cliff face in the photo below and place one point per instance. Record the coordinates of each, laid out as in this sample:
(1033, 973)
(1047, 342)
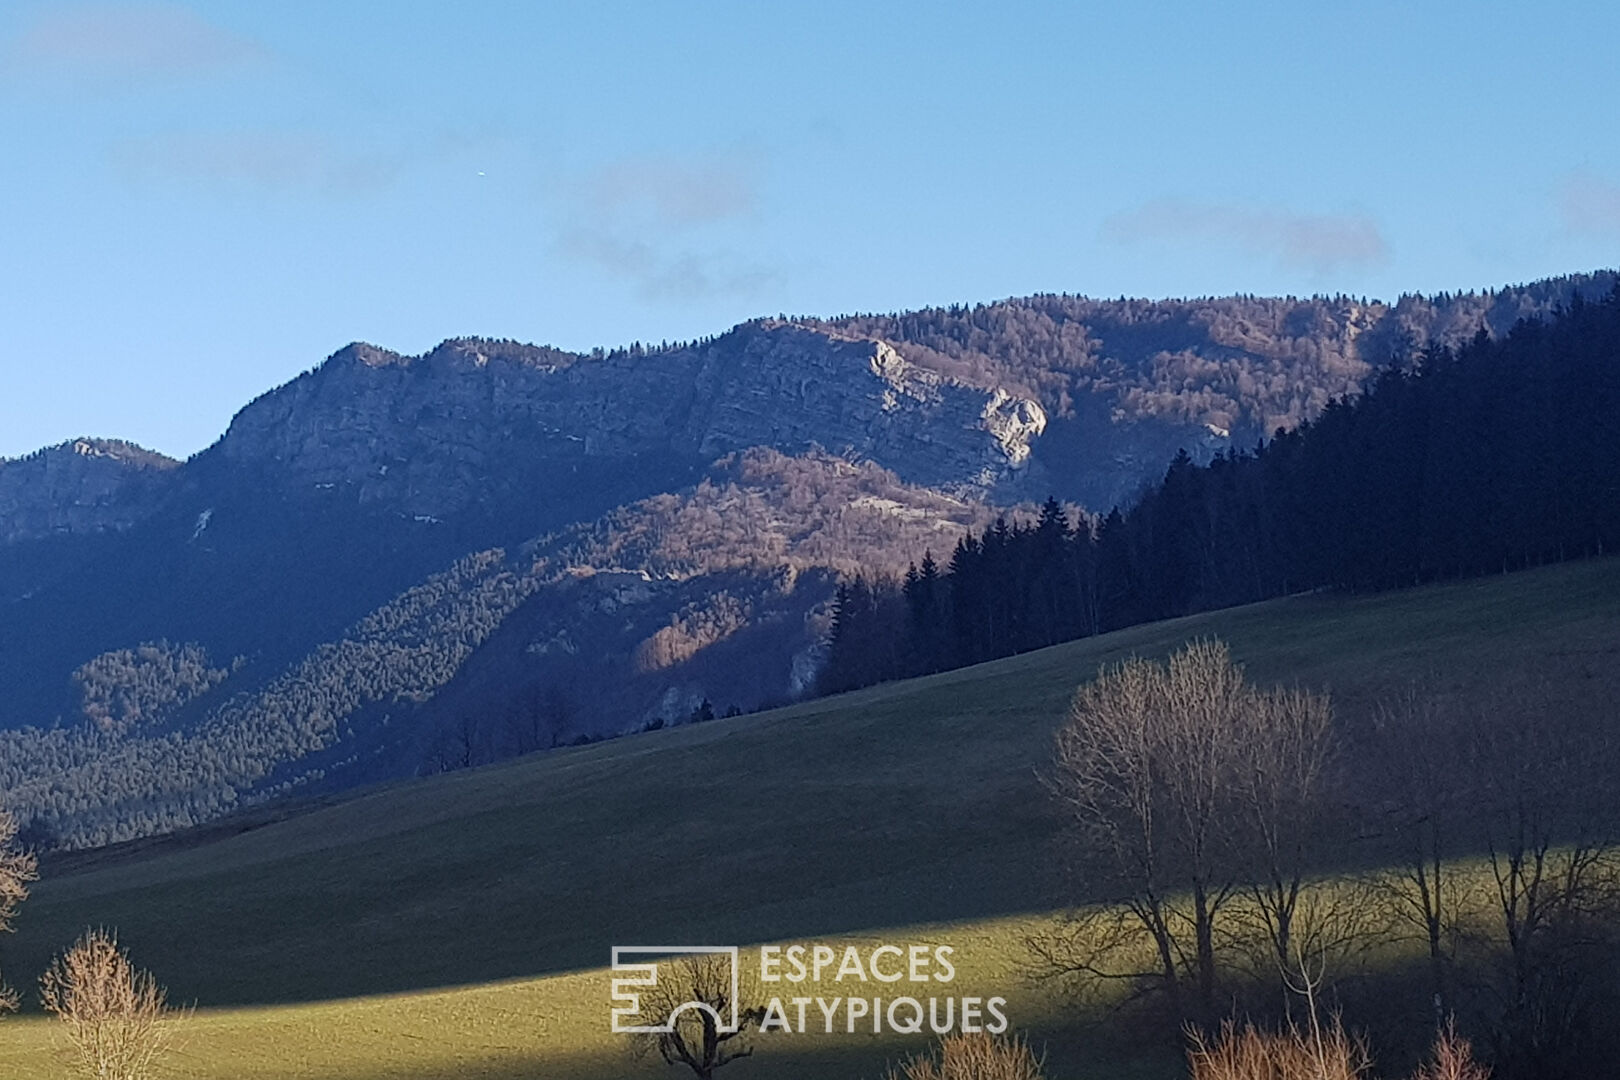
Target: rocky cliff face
(79, 487)
(791, 389)
(397, 560)
(429, 432)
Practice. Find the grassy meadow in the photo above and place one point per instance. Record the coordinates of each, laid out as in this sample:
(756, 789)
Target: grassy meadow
(457, 926)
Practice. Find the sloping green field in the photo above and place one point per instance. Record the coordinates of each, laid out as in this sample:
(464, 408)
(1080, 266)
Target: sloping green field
(455, 927)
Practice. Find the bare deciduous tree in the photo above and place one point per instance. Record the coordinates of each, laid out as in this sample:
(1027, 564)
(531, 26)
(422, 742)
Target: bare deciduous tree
(1282, 753)
(1195, 784)
(1546, 792)
(1203, 717)
(117, 1017)
(1419, 752)
(18, 869)
(1526, 777)
(1108, 757)
(538, 717)
(1336, 924)
(696, 993)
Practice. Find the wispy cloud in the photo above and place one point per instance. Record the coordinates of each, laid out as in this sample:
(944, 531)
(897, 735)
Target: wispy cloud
(666, 275)
(1589, 203)
(673, 191)
(1319, 243)
(262, 160)
(120, 41)
(651, 221)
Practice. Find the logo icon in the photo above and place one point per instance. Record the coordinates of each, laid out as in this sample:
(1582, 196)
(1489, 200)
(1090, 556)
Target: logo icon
(631, 979)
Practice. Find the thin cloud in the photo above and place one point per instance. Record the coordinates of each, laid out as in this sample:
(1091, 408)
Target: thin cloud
(673, 191)
(651, 221)
(665, 276)
(265, 160)
(128, 40)
(1588, 203)
(1320, 243)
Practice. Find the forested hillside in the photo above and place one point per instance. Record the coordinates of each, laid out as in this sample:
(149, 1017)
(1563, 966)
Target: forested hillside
(908, 812)
(608, 626)
(1487, 457)
(402, 563)
(1126, 383)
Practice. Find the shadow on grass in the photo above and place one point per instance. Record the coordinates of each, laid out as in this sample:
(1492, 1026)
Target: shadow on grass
(1068, 1055)
(903, 805)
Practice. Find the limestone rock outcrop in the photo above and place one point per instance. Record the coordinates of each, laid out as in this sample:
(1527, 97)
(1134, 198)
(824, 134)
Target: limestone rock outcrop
(429, 431)
(82, 486)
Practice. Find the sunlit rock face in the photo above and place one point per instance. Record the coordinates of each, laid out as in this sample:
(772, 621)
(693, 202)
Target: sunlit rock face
(80, 487)
(565, 546)
(429, 432)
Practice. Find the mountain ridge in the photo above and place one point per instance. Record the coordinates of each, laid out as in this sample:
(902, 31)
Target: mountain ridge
(564, 546)
(86, 483)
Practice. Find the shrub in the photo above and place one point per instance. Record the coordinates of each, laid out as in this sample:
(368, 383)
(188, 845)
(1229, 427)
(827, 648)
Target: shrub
(1325, 1052)
(973, 1057)
(1452, 1058)
(117, 1017)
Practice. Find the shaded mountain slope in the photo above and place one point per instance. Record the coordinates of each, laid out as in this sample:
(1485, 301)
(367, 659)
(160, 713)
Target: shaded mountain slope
(394, 563)
(910, 802)
(595, 630)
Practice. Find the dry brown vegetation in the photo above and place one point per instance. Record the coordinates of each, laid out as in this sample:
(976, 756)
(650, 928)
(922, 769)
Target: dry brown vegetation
(1321, 1052)
(1452, 1058)
(973, 1056)
(117, 1017)
(18, 869)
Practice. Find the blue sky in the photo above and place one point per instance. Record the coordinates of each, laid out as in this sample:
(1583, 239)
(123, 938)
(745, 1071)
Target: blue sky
(199, 200)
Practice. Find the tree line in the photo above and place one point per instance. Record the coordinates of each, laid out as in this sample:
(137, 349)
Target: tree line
(1489, 457)
(1245, 363)
(1217, 815)
(1280, 885)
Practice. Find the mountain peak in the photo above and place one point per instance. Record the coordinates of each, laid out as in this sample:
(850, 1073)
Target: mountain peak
(84, 485)
(118, 450)
(478, 352)
(363, 352)
(110, 451)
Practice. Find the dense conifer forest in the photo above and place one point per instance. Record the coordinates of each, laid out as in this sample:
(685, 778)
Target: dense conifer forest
(1491, 456)
(261, 630)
